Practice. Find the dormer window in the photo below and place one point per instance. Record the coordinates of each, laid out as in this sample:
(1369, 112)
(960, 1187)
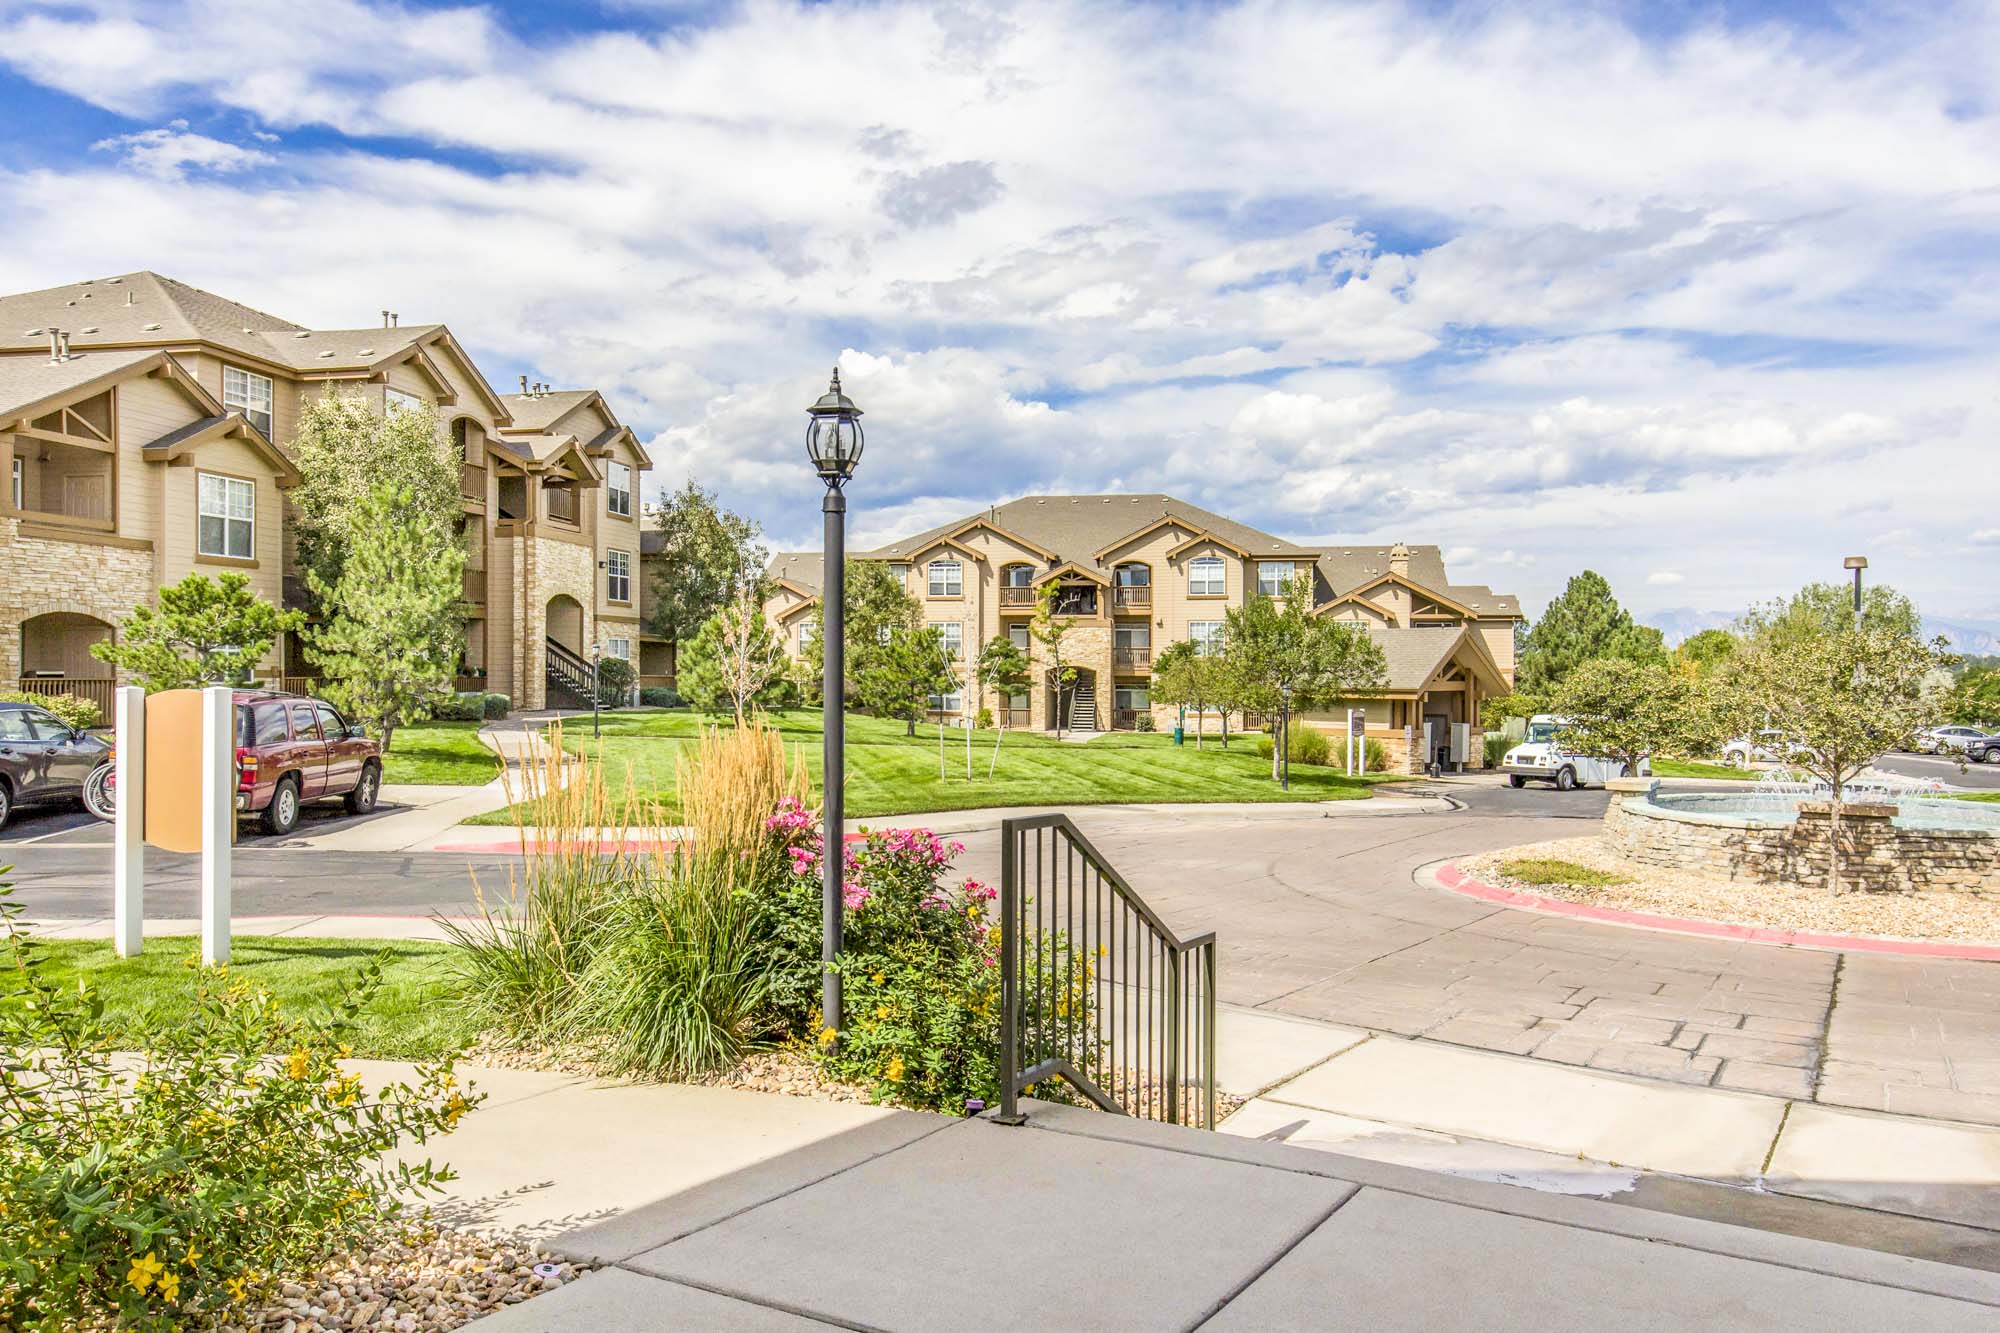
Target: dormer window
(250, 394)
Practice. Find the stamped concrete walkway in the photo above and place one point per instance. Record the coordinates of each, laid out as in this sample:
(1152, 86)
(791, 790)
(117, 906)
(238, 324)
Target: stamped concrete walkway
(719, 1209)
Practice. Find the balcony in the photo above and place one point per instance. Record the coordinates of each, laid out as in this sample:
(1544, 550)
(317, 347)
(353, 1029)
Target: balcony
(1127, 719)
(472, 483)
(1132, 599)
(1132, 658)
(1017, 597)
(1072, 601)
(562, 504)
(1015, 719)
(64, 484)
(475, 586)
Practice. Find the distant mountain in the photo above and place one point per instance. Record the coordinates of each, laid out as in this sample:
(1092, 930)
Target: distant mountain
(1682, 623)
(1969, 637)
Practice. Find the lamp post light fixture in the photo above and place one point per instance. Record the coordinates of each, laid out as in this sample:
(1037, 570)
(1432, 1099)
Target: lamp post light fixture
(1857, 563)
(833, 442)
(1285, 733)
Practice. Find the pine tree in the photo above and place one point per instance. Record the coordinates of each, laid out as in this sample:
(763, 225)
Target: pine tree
(732, 660)
(1582, 625)
(345, 448)
(393, 632)
(205, 632)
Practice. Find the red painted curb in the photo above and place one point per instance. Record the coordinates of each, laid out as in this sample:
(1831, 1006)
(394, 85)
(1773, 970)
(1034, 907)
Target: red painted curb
(1457, 881)
(627, 845)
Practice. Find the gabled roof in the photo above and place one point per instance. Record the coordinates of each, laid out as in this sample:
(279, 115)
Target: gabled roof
(1206, 539)
(952, 542)
(31, 384)
(140, 308)
(1354, 599)
(1070, 567)
(1346, 568)
(1416, 589)
(806, 603)
(1073, 527)
(1412, 657)
(981, 521)
(1139, 534)
(801, 569)
(229, 426)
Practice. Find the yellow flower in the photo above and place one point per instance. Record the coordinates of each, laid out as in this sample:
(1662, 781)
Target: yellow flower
(194, 1253)
(455, 1109)
(828, 1036)
(881, 1011)
(144, 1271)
(296, 1062)
(876, 978)
(972, 910)
(895, 1069)
(236, 1287)
(170, 1286)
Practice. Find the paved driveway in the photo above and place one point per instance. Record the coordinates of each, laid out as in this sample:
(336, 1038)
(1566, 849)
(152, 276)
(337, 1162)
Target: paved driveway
(1325, 918)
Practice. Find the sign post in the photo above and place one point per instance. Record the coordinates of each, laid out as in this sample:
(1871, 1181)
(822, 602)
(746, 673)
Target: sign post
(1357, 730)
(218, 818)
(128, 864)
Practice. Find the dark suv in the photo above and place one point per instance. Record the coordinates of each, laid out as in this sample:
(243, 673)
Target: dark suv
(291, 749)
(43, 758)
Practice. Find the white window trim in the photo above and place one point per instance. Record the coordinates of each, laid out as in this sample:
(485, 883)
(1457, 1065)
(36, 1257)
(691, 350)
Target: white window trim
(619, 648)
(935, 568)
(1204, 643)
(1291, 568)
(612, 490)
(243, 402)
(617, 568)
(952, 633)
(226, 515)
(1198, 584)
(399, 400)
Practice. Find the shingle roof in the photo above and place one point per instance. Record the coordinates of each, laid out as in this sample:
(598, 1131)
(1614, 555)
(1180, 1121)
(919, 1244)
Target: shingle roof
(342, 349)
(801, 567)
(1077, 526)
(539, 411)
(29, 377)
(141, 307)
(1346, 568)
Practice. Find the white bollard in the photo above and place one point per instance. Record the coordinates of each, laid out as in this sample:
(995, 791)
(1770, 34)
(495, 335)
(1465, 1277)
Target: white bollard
(128, 874)
(218, 818)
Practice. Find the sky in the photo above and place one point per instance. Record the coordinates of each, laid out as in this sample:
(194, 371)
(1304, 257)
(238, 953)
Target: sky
(1701, 296)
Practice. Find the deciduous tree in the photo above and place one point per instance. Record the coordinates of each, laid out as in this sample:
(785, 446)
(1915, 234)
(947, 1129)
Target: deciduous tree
(1186, 677)
(207, 631)
(1638, 710)
(1002, 668)
(345, 448)
(1820, 609)
(732, 659)
(708, 558)
(1049, 629)
(392, 631)
(1275, 646)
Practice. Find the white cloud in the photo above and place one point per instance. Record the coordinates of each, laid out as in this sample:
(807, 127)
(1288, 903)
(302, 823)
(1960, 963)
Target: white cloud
(1665, 578)
(1076, 245)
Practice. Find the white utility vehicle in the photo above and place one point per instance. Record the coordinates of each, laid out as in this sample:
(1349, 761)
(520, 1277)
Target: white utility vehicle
(1539, 758)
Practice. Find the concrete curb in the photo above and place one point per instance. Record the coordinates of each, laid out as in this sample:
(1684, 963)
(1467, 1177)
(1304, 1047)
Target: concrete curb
(1452, 879)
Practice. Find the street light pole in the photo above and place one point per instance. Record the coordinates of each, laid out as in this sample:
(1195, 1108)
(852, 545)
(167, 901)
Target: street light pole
(596, 692)
(1285, 734)
(1857, 563)
(833, 442)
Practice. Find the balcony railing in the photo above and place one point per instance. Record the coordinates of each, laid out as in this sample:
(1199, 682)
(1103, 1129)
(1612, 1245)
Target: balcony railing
(1017, 595)
(562, 503)
(1076, 602)
(1015, 719)
(1127, 719)
(1132, 599)
(472, 482)
(475, 586)
(1131, 659)
(94, 688)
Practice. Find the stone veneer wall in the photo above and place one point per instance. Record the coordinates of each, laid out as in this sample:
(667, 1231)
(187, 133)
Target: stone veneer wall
(1877, 854)
(41, 577)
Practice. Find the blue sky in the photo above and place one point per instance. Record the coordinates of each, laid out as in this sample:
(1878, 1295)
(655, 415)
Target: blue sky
(1698, 295)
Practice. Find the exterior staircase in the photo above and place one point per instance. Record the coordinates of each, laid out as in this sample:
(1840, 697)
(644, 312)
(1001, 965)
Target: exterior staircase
(567, 677)
(1083, 707)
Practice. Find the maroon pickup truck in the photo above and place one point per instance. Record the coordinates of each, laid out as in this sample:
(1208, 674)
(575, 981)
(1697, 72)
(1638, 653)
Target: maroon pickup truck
(291, 749)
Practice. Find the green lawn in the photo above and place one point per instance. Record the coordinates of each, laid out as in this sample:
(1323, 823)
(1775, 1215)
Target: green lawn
(1693, 768)
(440, 753)
(416, 1015)
(1980, 796)
(1544, 871)
(889, 773)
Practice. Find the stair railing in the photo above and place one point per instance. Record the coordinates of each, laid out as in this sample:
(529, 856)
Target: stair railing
(1095, 990)
(567, 673)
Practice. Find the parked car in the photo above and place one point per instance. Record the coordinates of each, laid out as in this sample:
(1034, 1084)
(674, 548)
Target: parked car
(291, 750)
(1538, 758)
(44, 759)
(1985, 750)
(1948, 740)
(1767, 746)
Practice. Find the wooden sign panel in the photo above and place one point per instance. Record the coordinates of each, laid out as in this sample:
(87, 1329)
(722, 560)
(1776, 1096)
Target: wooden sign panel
(173, 770)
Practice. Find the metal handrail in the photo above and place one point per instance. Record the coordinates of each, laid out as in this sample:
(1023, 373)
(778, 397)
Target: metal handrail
(1095, 989)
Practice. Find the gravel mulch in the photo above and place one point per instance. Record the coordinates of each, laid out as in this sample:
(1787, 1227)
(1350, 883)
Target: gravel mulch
(1956, 918)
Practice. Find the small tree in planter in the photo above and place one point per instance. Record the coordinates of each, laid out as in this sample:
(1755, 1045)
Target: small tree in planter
(1841, 698)
(1003, 668)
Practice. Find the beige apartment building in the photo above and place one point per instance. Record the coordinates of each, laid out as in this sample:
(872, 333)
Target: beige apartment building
(146, 427)
(1134, 573)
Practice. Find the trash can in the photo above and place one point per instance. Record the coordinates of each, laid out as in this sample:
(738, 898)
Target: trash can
(1179, 735)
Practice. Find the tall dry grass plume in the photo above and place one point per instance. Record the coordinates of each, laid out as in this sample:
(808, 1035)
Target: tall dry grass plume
(731, 781)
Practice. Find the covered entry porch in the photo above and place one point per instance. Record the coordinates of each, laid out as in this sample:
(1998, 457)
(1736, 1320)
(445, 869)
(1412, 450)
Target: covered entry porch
(1436, 678)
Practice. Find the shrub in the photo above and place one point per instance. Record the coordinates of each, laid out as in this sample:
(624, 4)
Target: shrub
(1374, 759)
(160, 1194)
(495, 706)
(985, 720)
(661, 696)
(460, 708)
(1143, 722)
(615, 679)
(1496, 749)
(74, 711)
(1308, 745)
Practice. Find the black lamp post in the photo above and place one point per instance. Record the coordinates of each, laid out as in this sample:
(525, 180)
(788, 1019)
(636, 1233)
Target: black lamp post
(833, 442)
(596, 691)
(1285, 733)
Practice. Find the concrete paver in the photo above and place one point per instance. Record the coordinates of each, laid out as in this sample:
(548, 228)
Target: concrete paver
(619, 1301)
(1947, 1172)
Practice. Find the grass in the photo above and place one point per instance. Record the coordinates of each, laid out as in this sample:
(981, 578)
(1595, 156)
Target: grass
(1694, 768)
(447, 754)
(889, 773)
(1993, 796)
(416, 1015)
(1543, 871)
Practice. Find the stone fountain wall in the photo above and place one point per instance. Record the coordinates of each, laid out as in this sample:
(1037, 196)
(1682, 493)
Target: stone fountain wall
(1878, 855)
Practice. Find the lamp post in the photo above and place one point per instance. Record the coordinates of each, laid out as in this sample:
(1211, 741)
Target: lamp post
(833, 442)
(1285, 733)
(1857, 563)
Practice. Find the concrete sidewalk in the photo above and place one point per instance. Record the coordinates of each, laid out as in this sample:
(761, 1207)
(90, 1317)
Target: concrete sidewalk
(715, 1208)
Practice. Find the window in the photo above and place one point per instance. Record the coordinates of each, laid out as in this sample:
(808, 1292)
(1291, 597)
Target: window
(620, 648)
(947, 578)
(1017, 576)
(1206, 635)
(18, 492)
(249, 394)
(947, 703)
(900, 571)
(268, 726)
(807, 628)
(228, 521)
(1205, 577)
(1132, 698)
(883, 634)
(303, 726)
(1274, 576)
(395, 400)
(618, 575)
(330, 723)
(953, 635)
(44, 726)
(14, 725)
(618, 490)
(1018, 636)
(1133, 576)
(1128, 637)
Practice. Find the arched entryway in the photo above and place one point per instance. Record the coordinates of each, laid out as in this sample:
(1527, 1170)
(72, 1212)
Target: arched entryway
(55, 656)
(565, 622)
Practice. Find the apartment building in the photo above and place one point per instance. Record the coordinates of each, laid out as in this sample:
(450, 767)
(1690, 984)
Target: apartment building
(147, 425)
(1133, 573)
